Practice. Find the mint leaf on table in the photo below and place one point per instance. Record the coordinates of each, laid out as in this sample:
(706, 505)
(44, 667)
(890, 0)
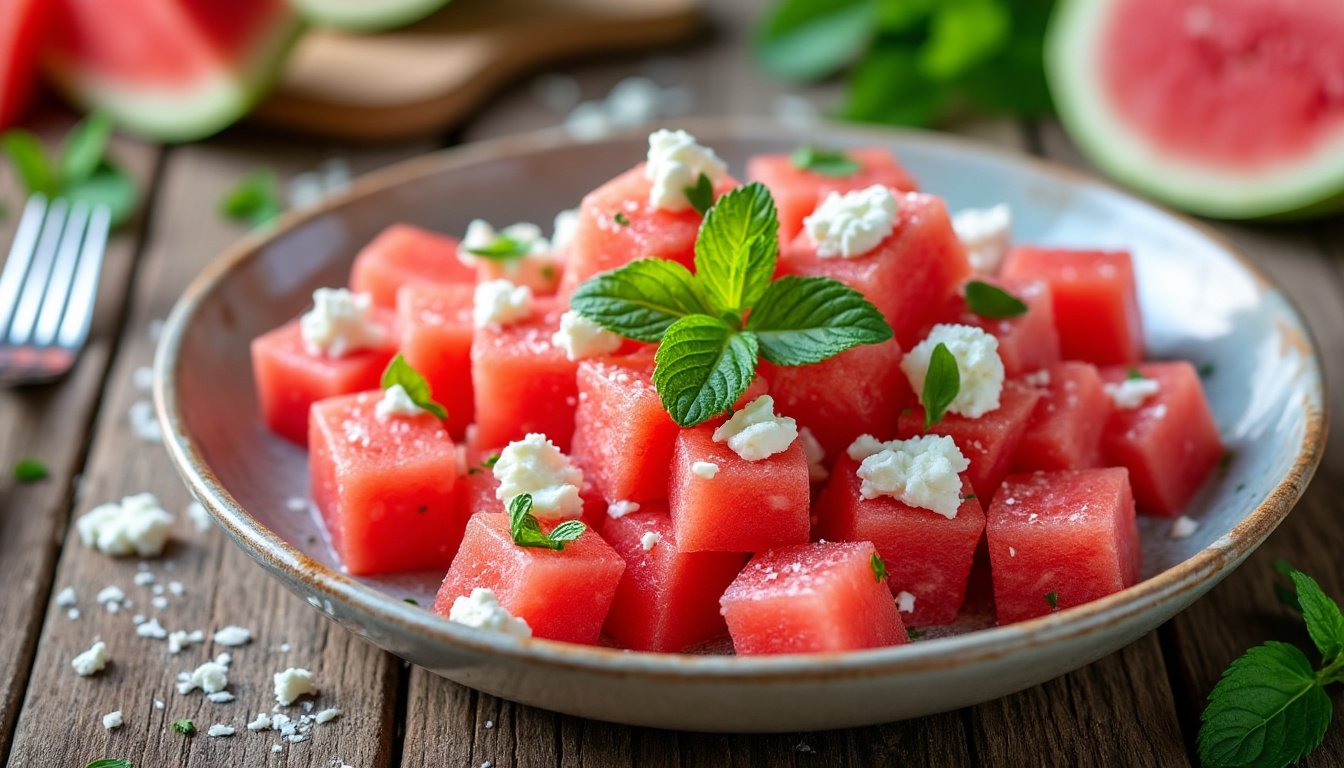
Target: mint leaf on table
(736, 249)
(502, 248)
(993, 302)
(400, 372)
(110, 762)
(802, 40)
(254, 200)
(1324, 621)
(641, 300)
(81, 173)
(185, 727)
(702, 367)
(942, 383)
(35, 171)
(84, 146)
(827, 162)
(30, 471)
(106, 185)
(526, 531)
(804, 320)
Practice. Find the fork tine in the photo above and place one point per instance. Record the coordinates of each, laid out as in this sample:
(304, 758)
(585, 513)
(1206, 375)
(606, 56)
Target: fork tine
(20, 255)
(62, 276)
(35, 286)
(84, 288)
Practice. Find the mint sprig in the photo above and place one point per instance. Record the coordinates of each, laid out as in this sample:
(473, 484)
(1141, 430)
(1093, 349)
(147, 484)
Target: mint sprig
(827, 162)
(707, 353)
(254, 200)
(399, 371)
(502, 248)
(879, 567)
(942, 383)
(80, 172)
(992, 301)
(1271, 708)
(526, 531)
(30, 471)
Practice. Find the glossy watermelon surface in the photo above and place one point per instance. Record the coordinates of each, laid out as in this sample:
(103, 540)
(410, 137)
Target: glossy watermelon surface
(1065, 429)
(522, 382)
(623, 437)
(435, 327)
(405, 255)
(1027, 342)
(798, 191)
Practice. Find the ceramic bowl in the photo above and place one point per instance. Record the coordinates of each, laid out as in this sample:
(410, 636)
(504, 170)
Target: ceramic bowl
(1201, 300)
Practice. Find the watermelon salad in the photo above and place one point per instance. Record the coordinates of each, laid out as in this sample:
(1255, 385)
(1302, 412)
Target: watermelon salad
(797, 413)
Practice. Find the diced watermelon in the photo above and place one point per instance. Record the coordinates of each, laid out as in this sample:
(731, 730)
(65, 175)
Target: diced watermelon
(384, 487)
(602, 243)
(797, 192)
(540, 272)
(623, 437)
(436, 330)
(861, 390)
(403, 254)
(562, 595)
(1027, 342)
(908, 277)
(748, 506)
(926, 554)
(289, 379)
(1096, 300)
(667, 600)
(1065, 429)
(522, 382)
(1169, 444)
(1063, 537)
(810, 598)
(987, 442)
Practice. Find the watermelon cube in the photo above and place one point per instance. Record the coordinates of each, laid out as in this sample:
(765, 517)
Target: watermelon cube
(1065, 429)
(290, 379)
(623, 437)
(908, 277)
(403, 254)
(1060, 539)
(435, 326)
(1027, 342)
(1096, 300)
(988, 442)
(668, 600)
(1169, 443)
(927, 555)
(521, 381)
(562, 595)
(810, 598)
(385, 487)
(797, 192)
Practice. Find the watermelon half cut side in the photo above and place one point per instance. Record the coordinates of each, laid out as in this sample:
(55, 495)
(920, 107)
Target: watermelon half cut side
(1233, 109)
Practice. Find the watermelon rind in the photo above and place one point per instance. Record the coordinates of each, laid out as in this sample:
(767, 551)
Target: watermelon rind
(1307, 186)
(366, 15)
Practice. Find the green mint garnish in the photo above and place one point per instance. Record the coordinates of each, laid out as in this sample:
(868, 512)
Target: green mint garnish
(879, 567)
(502, 248)
(707, 355)
(254, 200)
(992, 301)
(526, 531)
(184, 727)
(942, 382)
(1134, 374)
(81, 171)
(1053, 599)
(30, 471)
(410, 600)
(111, 762)
(490, 461)
(474, 471)
(1271, 707)
(827, 162)
(622, 219)
(1206, 370)
(913, 634)
(968, 497)
(400, 372)
(1284, 589)
(701, 194)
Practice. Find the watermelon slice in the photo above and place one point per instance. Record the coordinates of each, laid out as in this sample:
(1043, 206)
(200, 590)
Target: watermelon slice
(797, 192)
(23, 30)
(172, 70)
(1065, 429)
(402, 255)
(1027, 342)
(434, 322)
(366, 15)
(1232, 109)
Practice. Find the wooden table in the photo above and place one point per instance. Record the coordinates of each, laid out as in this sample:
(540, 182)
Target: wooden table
(1138, 707)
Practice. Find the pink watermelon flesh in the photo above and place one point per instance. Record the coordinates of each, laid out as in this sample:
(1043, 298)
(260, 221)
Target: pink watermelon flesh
(811, 598)
(1065, 429)
(667, 600)
(541, 272)
(562, 595)
(1170, 443)
(289, 379)
(926, 554)
(798, 192)
(1067, 537)
(435, 325)
(1027, 342)
(404, 255)
(385, 487)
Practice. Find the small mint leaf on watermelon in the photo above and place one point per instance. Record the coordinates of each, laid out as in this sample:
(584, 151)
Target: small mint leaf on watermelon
(913, 634)
(255, 199)
(992, 301)
(702, 367)
(1052, 598)
(736, 249)
(30, 471)
(879, 567)
(639, 300)
(968, 497)
(1325, 622)
(84, 146)
(700, 194)
(502, 248)
(827, 162)
(1134, 374)
(30, 162)
(526, 531)
(622, 219)
(804, 320)
(941, 385)
(566, 531)
(490, 461)
(400, 372)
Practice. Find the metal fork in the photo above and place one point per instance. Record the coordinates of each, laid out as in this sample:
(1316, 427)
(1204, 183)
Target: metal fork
(48, 288)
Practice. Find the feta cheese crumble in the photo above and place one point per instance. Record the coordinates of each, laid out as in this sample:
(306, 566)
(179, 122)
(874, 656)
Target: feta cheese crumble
(66, 597)
(112, 720)
(483, 611)
(1130, 393)
(152, 629)
(110, 595)
(650, 540)
(816, 456)
(985, 233)
(210, 677)
(200, 519)
(179, 640)
(618, 509)
(675, 162)
(851, 224)
(755, 432)
(500, 302)
(481, 235)
(136, 525)
(339, 323)
(905, 602)
(220, 697)
(262, 722)
(705, 469)
(563, 229)
(327, 715)
(922, 471)
(233, 636)
(293, 683)
(1183, 527)
(535, 466)
(396, 402)
(219, 729)
(581, 338)
(978, 364)
(92, 661)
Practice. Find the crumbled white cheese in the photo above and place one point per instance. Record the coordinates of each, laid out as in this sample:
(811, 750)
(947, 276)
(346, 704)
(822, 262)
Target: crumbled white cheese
(675, 163)
(220, 697)
(482, 610)
(905, 602)
(143, 378)
(500, 302)
(159, 602)
(176, 588)
(143, 579)
(262, 722)
(755, 432)
(978, 364)
(293, 683)
(562, 232)
(137, 525)
(158, 704)
(396, 402)
(110, 594)
(233, 636)
(339, 323)
(481, 235)
(650, 540)
(66, 597)
(210, 677)
(816, 456)
(535, 466)
(581, 338)
(985, 233)
(866, 445)
(1039, 378)
(327, 715)
(72, 614)
(922, 472)
(618, 509)
(112, 720)
(1183, 527)
(144, 425)
(92, 661)
(851, 224)
(219, 729)
(705, 469)
(178, 640)
(152, 629)
(1130, 393)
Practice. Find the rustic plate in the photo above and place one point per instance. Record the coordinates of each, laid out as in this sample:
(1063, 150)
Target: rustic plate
(1201, 300)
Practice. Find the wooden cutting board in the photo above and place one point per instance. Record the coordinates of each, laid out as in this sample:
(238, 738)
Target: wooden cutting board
(425, 78)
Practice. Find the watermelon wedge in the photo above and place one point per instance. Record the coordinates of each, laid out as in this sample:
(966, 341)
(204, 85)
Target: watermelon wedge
(1232, 109)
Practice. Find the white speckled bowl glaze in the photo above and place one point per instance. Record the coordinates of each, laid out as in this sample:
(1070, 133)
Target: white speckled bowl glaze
(1201, 300)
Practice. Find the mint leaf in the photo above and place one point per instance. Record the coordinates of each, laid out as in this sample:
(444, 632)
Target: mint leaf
(702, 367)
(110, 762)
(701, 194)
(640, 300)
(804, 320)
(30, 162)
(502, 248)
(107, 185)
(1284, 589)
(992, 301)
(1052, 599)
(736, 249)
(1324, 621)
(888, 87)
(30, 471)
(491, 461)
(879, 567)
(961, 35)
(84, 146)
(808, 40)
(941, 385)
(827, 162)
(622, 219)
(255, 199)
(398, 371)
(567, 531)
(184, 727)
(1267, 710)
(526, 531)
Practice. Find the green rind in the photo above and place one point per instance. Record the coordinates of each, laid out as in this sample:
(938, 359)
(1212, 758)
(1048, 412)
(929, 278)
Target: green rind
(1309, 188)
(370, 16)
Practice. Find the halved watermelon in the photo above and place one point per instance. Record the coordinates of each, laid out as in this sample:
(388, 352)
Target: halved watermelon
(1232, 109)
(23, 30)
(366, 15)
